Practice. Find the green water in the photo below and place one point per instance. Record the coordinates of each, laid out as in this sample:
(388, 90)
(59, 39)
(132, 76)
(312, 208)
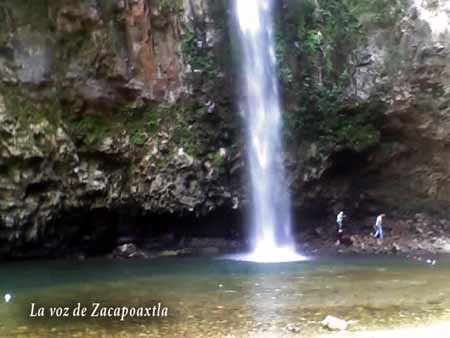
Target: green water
(220, 298)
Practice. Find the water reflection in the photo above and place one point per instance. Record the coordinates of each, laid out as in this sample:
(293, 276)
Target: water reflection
(269, 300)
(219, 298)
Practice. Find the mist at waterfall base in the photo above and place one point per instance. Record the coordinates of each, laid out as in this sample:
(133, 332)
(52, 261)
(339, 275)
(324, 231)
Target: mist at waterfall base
(271, 236)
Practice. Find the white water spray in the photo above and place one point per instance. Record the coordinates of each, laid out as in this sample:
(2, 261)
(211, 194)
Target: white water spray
(271, 220)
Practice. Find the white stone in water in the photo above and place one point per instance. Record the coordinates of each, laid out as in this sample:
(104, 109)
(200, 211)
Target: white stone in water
(334, 323)
(7, 298)
(235, 202)
(293, 328)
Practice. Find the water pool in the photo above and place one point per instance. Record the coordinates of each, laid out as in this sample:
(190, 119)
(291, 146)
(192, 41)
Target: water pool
(222, 298)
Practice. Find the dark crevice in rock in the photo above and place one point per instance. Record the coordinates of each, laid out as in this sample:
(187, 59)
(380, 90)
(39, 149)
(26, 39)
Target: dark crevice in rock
(346, 162)
(40, 187)
(96, 232)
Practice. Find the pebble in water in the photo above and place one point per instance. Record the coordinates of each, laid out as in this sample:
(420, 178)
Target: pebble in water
(7, 297)
(293, 328)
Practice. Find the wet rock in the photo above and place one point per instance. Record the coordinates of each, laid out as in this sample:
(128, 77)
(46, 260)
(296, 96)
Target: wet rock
(396, 248)
(34, 62)
(127, 251)
(319, 231)
(80, 256)
(74, 17)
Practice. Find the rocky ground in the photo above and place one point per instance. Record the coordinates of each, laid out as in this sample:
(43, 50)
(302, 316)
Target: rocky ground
(420, 234)
(437, 330)
(403, 236)
(192, 247)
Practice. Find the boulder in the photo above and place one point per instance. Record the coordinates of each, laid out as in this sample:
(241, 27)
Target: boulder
(396, 248)
(128, 250)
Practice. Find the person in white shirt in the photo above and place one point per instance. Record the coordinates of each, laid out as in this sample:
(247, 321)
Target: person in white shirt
(340, 231)
(379, 227)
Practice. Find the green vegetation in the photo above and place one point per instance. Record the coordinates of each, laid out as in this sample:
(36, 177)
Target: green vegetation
(169, 6)
(74, 44)
(325, 116)
(183, 136)
(382, 14)
(281, 52)
(197, 130)
(216, 159)
(314, 43)
(9, 170)
(355, 128)
(26, 110)
(377, 13)
(138, 138)
(316, 39)
(139, 123)
(91, 129)
(32, 12)
(200, 59)
(5, 26)
(205, 59)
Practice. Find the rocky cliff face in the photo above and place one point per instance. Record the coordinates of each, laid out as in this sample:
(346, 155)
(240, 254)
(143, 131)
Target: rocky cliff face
(125, 107)
(104, 106)
(410, 169)
(379, 114)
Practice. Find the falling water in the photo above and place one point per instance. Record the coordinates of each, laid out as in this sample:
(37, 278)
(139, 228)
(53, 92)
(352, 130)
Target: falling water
(260, 104)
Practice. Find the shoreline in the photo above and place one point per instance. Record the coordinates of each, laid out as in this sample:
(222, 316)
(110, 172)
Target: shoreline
(421, 236)
(314, 249)
(438, 329)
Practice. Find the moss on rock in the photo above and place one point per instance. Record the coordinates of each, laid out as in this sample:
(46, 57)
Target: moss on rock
(27, 110)
(315, 44)
(377, 13)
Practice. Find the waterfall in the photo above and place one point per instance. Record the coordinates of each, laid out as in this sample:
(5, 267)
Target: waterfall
(260, 106)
